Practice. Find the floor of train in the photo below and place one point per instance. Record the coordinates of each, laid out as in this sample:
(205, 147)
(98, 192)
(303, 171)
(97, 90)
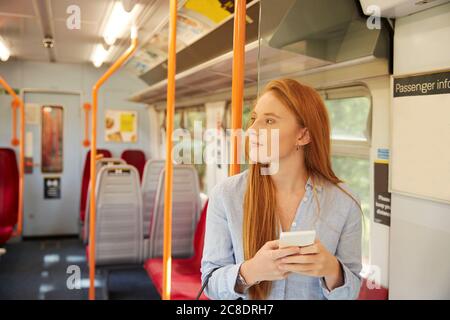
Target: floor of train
(39, 269)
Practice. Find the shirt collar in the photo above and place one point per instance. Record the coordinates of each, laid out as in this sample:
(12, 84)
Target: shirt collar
(310, 184)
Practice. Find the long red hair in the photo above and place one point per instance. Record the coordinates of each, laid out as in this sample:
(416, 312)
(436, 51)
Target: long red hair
(261, 223)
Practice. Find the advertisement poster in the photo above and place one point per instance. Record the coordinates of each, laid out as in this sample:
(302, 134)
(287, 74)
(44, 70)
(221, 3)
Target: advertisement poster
(120, 126)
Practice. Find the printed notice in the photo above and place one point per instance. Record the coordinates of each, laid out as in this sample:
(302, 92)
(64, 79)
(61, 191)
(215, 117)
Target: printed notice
(382, 197)
(52, 188)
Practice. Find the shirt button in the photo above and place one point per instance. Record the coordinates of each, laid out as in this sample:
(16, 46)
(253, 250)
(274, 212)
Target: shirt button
(294, 224)
(305, 199)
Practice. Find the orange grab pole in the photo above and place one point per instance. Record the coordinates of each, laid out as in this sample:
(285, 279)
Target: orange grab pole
(237, 88)
(87, 108)
(18, 103)
(167, 246)
(14, 105)
(116, 65)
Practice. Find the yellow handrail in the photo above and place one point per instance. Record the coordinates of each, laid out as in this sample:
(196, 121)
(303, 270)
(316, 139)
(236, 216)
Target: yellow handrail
(17, 102)
(237, 87)
(116, 65)
(167, 246)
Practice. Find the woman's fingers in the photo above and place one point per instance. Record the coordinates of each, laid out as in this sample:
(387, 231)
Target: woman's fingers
(271, 244)
(302, 259)
(298, 268)
(314, 248)
(280, 253)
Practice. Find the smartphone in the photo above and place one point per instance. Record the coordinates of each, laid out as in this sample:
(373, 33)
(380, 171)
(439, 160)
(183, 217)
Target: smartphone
(297, 238)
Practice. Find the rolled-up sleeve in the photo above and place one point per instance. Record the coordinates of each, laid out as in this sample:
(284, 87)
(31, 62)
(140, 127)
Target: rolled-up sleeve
(348, 254)
(218, 255)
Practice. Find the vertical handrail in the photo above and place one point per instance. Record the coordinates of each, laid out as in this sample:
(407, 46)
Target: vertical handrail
(237, 87)
(18, 102)
(86, 108)
(14, 106)
(167, 245)
(116, 65)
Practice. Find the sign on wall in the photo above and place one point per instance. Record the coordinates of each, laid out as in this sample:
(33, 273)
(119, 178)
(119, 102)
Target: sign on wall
(121, 126)
(420, 152)
(382, 197)
(52, 188)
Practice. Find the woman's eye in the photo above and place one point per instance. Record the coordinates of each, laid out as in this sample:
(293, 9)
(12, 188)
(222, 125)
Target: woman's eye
(270, 121)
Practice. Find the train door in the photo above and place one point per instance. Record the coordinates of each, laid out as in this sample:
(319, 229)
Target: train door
(52, 190)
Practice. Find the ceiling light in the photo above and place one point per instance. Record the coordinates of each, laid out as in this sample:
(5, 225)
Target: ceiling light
(119, 21)
(4, 50)
(99, 55)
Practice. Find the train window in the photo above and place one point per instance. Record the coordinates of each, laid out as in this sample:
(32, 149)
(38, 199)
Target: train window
(349, 118)
(349, 109)
(355, 173)
(351, 121)
(187, 118)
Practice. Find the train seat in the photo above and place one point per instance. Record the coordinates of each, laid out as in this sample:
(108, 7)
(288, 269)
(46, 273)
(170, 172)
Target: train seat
(135, 158)
(9, 193)
(149, 187)
(85, 180)
(185, 212)
(100, 163)
(118, 218)
(186, 276)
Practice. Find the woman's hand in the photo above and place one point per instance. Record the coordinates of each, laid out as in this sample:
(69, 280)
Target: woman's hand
(316, 261)
(264, 266)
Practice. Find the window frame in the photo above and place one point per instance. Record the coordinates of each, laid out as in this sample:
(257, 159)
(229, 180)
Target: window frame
(354, 148)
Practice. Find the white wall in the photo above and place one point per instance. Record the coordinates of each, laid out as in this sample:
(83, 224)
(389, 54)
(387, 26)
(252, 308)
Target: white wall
(420, 229)
(76, 77)
(379, 233)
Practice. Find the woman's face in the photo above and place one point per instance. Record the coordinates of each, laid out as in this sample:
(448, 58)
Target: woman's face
(274, 132)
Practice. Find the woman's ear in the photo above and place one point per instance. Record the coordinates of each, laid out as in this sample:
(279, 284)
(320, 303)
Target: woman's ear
(304, 137)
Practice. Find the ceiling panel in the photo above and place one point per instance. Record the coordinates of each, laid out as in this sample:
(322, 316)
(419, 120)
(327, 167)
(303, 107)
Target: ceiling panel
(16, 7)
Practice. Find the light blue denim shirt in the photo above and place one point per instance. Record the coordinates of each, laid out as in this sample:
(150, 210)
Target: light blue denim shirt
(338, 227)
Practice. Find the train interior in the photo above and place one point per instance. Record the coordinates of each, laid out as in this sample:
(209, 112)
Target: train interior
(82, 73)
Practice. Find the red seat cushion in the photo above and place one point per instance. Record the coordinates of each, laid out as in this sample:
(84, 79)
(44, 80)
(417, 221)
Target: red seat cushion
(372, 294)
(185, 286)
(186, 275)
(86, 178)
(9, 192)
(136, 158)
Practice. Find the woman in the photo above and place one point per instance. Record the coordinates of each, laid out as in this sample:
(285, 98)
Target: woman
(247, 211)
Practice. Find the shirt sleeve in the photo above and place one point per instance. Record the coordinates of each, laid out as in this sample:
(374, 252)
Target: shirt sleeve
(218, 255)
(348, 254)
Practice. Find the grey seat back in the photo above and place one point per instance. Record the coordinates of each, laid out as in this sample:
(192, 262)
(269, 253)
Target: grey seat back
(150, 181)
(98, 165)
(108, 162)
(185, 212)
(118, 216)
